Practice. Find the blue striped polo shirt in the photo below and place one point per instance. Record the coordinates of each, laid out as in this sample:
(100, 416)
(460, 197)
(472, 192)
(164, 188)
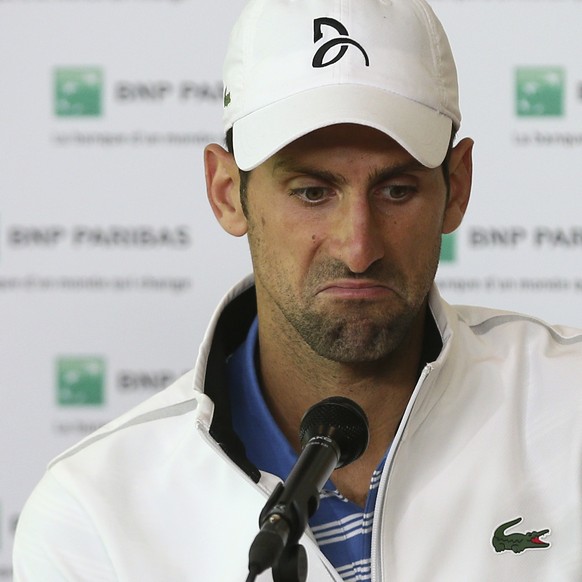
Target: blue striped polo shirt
(342, 529)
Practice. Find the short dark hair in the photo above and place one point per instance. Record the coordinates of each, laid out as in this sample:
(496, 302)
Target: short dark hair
(244, 175)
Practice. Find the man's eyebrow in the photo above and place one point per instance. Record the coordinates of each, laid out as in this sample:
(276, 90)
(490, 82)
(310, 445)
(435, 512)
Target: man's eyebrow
(288, 165)
(387, 173)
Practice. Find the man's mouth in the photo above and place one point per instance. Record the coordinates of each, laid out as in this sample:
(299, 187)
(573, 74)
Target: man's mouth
(355, 289)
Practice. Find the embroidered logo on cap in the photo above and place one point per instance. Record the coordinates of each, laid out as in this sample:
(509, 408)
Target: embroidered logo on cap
(343, 41)
(518, 542)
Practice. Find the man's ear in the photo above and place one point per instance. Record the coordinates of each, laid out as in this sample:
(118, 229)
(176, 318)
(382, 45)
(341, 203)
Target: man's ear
(460, 176)
(223, 189)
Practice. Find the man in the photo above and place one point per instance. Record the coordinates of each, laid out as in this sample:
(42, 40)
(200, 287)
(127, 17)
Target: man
(343, 173)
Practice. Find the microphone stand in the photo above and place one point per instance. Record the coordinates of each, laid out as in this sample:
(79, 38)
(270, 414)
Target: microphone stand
(291, 567)
(284, 517)
(288, 522)
(333, 433)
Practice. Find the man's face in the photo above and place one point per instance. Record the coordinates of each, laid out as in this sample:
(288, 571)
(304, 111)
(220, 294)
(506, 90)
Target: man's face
(344, 228)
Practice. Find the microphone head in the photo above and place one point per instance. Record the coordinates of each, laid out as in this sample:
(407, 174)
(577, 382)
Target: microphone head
(341, 420)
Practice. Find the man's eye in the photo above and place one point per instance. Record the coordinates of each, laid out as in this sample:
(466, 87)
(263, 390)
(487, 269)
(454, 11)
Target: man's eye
(398, 191)
(311, 194)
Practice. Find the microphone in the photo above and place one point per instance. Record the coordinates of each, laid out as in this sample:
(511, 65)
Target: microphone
(333, 433)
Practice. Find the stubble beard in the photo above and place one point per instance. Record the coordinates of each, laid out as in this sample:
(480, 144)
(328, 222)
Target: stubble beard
(351, 339)
(354, 332)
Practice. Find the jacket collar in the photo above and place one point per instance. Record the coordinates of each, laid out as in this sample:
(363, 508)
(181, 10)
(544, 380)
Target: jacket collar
(228, 329)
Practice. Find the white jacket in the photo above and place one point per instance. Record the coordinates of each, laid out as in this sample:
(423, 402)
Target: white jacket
(492, 433)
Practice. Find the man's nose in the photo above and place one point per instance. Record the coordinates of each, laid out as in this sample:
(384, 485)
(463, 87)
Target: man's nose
(356, 237)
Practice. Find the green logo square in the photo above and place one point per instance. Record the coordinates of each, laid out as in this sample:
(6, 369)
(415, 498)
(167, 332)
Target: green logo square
(78, 92)
(448, 248)
(80, 381)
(540, 91)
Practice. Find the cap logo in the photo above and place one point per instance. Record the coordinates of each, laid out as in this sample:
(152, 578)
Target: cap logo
(343, 41)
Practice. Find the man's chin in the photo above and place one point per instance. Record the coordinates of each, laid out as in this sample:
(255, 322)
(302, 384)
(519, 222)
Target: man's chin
(358, 343)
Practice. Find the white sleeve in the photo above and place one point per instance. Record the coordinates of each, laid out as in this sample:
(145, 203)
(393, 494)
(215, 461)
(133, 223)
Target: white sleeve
(56, 541)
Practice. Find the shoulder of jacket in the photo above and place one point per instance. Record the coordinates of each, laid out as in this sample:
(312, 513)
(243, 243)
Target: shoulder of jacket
(483, 320)
(178, 401)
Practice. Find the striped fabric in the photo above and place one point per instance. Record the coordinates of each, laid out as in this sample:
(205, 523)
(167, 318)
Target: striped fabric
(342, 530)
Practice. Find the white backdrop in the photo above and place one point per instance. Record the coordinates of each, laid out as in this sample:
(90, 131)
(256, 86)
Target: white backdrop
(110, 259)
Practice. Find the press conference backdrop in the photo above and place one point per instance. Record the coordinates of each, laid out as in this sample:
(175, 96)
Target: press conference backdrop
(110, 259)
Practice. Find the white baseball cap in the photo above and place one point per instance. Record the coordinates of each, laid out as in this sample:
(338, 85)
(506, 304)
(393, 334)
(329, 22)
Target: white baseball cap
(294, 66)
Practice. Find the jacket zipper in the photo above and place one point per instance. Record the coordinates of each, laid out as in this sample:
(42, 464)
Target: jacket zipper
(383, 485)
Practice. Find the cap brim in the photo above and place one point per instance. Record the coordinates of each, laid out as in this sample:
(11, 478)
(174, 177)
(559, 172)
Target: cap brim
(420, 130)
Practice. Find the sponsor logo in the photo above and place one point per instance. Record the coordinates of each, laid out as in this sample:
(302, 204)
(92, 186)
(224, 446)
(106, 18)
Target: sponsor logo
(343, 42)
(449, 248)
(513, 237)
(101, 237)
(490, 237)
(519, 240)
(142, 237)
(132, 381)
(540, 91)
(159, 91)
(78, 91)
(80, 381)
(35, 236)
(518, 542)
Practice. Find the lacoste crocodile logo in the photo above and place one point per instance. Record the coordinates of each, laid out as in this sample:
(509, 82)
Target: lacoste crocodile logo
(518, 542)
